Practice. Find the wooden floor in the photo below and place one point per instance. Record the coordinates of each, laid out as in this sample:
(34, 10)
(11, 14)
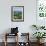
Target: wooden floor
(13, 44)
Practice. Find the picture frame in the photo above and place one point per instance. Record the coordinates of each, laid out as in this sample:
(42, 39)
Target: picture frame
(17, 13)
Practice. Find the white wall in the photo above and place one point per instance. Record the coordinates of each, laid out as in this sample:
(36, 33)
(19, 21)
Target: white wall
(29, 15)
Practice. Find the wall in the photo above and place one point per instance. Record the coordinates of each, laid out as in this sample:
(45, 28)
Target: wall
(29, 15)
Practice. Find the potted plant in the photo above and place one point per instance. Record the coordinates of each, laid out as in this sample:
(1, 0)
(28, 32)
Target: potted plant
(35, 26)
(38, 27)
(39, 35)
(42, 27)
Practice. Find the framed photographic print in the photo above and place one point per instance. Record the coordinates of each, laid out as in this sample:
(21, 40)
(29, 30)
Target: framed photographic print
(17, 13)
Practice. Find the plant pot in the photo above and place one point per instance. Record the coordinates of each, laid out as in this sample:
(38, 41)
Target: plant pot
(38, 40)
(42, 40)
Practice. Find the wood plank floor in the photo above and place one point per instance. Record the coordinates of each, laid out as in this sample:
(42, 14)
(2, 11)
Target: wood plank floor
(13, 44)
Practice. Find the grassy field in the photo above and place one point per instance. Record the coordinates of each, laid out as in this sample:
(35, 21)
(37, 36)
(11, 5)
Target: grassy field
(17, 14)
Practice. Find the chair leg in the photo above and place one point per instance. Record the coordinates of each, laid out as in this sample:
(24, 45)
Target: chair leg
(5, 40)
(17, 39)
(5, 43)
